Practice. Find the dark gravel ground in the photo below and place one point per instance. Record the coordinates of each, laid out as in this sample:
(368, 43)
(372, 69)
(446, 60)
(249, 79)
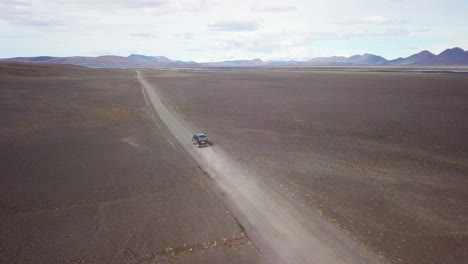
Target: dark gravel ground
(382, 155)
(88, 175)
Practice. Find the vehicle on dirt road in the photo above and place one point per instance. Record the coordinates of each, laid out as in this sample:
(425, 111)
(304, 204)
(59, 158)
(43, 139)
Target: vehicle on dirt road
(200, 140)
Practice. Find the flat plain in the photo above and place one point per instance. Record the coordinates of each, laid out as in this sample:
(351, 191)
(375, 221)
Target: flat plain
(382, 155)
(89, 175)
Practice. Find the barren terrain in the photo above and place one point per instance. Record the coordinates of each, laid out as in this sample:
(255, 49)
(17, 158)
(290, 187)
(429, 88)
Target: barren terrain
(90, 175)
(380, 155)
(307, 165)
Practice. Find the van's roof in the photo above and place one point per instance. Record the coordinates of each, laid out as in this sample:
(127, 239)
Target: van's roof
(200, 135)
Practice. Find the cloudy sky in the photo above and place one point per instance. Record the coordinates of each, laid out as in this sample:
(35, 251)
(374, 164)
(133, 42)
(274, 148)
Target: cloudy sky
(211, 30)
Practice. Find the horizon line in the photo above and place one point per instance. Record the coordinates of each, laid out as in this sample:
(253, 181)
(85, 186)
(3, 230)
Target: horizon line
(237, 59)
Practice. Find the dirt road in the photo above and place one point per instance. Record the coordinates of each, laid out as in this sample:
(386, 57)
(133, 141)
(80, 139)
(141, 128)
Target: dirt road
(284, 231)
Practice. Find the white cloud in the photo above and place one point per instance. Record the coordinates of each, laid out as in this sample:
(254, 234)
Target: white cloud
(389, 32)
(235, 25)
(16, 3)
(21, 13)
(376, 20)
(370, 20)
(144, 35)
(190, 29)
(126, 3)
(186, 36)
(269, 46)
(273, 8)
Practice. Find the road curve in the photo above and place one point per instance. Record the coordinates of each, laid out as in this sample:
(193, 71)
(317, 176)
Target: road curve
(284, 231)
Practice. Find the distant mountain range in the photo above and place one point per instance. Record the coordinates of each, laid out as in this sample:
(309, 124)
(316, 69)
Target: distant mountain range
(449, 57)
(109, 61)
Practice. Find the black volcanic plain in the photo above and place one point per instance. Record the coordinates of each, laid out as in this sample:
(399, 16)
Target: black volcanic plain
(88, 175)
(382, 155)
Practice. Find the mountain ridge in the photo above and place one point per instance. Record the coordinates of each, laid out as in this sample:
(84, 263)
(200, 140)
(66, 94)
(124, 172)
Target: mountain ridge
(449, 57)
